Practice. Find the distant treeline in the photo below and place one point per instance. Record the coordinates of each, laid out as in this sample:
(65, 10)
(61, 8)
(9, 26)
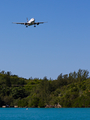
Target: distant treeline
(69, 90)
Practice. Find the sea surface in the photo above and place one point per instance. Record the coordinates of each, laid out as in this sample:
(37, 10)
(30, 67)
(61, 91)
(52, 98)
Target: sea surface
(44, 113)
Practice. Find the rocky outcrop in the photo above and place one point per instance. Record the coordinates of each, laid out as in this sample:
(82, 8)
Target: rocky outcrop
(3, 106)
(15, 106)
(53, 106)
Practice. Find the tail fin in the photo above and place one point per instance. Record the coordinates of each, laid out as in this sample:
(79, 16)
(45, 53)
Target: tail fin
(27, 19)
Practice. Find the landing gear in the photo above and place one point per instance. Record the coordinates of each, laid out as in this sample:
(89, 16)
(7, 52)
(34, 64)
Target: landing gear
(26, 26)
(34, 25)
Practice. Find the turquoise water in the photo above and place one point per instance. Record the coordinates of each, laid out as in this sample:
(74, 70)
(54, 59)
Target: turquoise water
(44, 113)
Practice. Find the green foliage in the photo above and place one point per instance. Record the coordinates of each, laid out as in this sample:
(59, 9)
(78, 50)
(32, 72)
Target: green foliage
(71, 90)
(7, 100)
(22, 103)
(1, 102)
(35, 102)
(18, 92)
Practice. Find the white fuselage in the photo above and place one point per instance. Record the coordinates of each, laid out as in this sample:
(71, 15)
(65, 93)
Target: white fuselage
(31, 21)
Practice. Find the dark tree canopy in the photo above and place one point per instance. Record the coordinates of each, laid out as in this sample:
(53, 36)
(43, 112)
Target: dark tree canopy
(69, 90)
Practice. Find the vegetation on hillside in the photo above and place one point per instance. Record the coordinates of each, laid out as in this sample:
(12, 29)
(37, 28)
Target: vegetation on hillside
(69, 90)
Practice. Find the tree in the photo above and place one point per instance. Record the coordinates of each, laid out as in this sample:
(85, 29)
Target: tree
(62, 80)
(0, 102)
(22, 103)
(60, 77)
(82, 74)
(8, 82)
(35, 102)
(18, 92)
(8, 100)
(44, 90)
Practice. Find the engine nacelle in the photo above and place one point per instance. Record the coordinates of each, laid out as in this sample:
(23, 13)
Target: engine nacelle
(37, 23)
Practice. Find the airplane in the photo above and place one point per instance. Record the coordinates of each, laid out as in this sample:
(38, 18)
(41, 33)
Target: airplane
(30, 22)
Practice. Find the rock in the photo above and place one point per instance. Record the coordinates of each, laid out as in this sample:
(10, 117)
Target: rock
(53, 106)
(3, 106)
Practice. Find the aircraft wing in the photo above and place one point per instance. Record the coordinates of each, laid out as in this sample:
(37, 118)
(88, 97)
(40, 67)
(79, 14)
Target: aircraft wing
(39, 23)
(21, 23)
